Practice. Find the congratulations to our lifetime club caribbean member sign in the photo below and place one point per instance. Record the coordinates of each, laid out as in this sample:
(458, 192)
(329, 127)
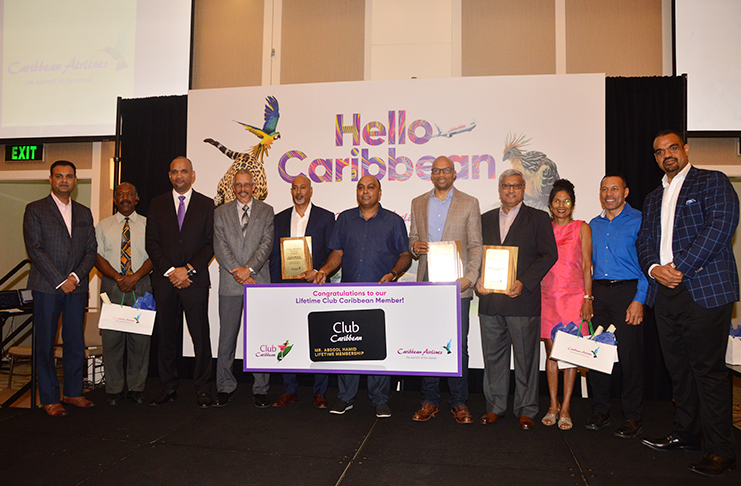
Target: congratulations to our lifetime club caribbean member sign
(403, 328)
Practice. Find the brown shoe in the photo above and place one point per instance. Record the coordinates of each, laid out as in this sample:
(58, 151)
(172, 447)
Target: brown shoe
(489, 418)
(80, 401)
(461, 414)
(285, 399)
(425, 413)
(55, 410)
(320, 401)
(526, 423)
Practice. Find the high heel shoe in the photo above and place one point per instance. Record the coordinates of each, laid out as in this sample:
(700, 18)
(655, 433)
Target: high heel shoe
(551, 417)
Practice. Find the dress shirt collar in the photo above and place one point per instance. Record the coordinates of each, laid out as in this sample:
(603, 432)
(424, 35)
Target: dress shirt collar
(307, 212)
(678, 179)
(448, 196)
(241, 206)
(176, 198)
(132, 217)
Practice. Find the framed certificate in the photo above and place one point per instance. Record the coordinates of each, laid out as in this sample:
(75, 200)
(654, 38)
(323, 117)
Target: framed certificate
(499, 268)
(295, 256)
(444, 263)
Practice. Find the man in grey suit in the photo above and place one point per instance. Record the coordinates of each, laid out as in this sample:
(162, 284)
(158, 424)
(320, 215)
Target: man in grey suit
(243, 240)
(447, 214)
(513, 317)
(60, 241)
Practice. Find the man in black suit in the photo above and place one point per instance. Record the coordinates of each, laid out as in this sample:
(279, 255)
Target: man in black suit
(513, 317)
(180, 243)
(60, 241)
(302, 219)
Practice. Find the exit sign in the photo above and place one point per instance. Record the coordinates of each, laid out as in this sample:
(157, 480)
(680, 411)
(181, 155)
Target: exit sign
(21, 153)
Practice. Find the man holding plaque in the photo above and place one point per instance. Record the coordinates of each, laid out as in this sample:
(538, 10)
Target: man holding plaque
(243, 240)
(512, 316)
(447, 215)
(372, 245)
(300, 221)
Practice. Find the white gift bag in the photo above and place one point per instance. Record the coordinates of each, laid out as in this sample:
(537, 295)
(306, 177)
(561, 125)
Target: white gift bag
(122, 318)
(583, 352)
(733, 351)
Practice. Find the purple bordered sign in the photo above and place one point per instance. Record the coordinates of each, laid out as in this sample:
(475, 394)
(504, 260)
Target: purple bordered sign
(390, 329)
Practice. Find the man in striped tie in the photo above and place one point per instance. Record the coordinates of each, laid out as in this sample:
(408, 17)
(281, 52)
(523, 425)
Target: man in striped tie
(125, 265)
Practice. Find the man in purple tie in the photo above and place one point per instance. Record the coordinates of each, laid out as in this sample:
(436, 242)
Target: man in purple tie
(179, 241)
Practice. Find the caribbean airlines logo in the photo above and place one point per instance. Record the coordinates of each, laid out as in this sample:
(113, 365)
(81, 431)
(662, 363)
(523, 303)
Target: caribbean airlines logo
(447, 346)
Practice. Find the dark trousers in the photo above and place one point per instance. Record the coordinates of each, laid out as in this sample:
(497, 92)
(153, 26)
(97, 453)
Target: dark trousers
(693, 341)
(610, 304)
(46, 312)
(171, 302)
(290, 384)
(458, 385)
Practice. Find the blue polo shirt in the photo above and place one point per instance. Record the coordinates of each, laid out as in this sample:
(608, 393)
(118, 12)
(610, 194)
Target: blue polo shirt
(614, 253)
(370, 248)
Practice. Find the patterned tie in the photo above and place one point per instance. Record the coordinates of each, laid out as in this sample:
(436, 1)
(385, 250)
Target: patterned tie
(245, 219)
(181, 212)
(126, 249)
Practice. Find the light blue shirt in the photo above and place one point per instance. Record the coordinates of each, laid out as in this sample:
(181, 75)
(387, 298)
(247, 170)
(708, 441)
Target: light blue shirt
(437, 213)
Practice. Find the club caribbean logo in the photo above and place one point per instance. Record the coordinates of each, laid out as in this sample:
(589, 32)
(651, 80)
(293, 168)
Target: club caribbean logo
(285, 348)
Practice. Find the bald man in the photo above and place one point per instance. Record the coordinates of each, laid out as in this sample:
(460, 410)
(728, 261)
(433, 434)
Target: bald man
(180, 243)
(300, 220)
(372, 245)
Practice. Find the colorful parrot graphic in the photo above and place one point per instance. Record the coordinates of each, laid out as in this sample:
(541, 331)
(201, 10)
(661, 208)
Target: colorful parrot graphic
(267, 133)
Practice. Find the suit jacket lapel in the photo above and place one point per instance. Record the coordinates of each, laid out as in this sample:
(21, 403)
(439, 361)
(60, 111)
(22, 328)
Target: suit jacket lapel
(58, 215)
(515, 224)
(425, 217)
(455, 202)
(496, 226)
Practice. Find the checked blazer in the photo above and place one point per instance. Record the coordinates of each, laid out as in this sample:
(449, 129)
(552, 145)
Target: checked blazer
(705, 220)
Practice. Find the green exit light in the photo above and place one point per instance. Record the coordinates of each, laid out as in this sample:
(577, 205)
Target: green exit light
(23, 153)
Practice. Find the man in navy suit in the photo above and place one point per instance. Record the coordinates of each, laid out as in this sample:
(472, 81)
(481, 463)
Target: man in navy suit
(684, 245)
(180, 243)
(302, 219)
(60, 240)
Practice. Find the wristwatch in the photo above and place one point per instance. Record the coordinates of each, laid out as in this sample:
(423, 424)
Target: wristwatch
(191, 270)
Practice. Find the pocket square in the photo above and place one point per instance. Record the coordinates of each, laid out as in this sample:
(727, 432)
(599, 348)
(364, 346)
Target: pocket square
(690, 201)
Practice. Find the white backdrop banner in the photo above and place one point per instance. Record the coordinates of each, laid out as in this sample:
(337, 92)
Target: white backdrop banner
(389, 329)
(545, 126)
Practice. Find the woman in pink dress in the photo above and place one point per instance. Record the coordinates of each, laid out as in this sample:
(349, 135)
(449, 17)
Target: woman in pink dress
(566, 293)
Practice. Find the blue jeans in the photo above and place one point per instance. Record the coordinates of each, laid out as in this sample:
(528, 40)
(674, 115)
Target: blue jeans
(458, 385)
(379, 388)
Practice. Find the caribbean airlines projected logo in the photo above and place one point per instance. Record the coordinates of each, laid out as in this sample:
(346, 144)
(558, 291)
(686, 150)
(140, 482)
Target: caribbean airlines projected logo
(366, 143)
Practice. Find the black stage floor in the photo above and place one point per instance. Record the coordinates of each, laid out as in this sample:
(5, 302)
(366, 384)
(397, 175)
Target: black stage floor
(180, 444)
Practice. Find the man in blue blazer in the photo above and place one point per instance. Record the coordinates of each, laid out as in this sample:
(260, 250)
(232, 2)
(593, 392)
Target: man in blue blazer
(302, 219)
(684, 245)
(60, 241)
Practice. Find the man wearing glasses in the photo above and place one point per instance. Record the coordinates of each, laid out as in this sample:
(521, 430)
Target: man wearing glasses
(513, 317)
(447, 214)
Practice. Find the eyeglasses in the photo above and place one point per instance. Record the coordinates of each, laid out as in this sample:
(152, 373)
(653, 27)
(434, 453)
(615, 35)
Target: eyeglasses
(446, 171)
(240, 185)
(511, 186)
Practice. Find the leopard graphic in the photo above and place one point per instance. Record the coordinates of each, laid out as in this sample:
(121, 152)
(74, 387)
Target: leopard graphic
(248, 160)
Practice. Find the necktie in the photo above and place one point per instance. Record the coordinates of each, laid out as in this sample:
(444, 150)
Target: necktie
(181, 212)
(245, 219)
(126, 248)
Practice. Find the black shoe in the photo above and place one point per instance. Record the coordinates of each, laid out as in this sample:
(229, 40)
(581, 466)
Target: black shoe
(204, 400)
(222, 398)
(598, 421)
(669, 443)
(712, 465)
(164, 397)
(116, 398)
(261, 401)
(628, 429)
(136, 397)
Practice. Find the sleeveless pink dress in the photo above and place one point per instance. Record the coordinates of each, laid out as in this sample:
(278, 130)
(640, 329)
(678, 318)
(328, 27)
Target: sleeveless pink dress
(562, 289)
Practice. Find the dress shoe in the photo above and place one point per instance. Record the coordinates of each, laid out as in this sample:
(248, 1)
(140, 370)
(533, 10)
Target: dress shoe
(204, 400)
(55, 410)
(136, 397)
(712, 465)
(598, 421)
(164, 397)
(222, 398)
(629, 429)
(525, 423)
(261, 400)
(489, 418)
(425, 413)
(285, 399)
(80, 401)
(116, 398)
(461, 414)
(320, 401)
(669, 443)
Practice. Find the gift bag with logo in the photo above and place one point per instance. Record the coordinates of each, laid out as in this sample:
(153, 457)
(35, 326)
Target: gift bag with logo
(585, 352)
(138, 319)
(733, 351)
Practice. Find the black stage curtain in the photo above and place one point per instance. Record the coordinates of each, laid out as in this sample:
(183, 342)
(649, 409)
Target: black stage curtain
(636, 110)
(153, 132)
